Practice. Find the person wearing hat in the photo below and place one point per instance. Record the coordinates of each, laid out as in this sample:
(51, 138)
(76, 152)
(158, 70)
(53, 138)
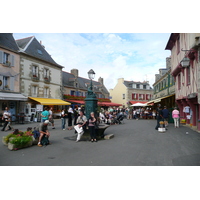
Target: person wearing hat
(43, 129)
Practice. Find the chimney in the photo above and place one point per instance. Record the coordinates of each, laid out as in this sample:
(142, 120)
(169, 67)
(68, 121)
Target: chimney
(100, 80)
(41, 44)
(74, 72)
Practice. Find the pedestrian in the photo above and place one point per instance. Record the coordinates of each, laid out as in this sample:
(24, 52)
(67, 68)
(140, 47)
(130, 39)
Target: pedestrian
(137, 114)
(81, 122)
(51, 120)
(91, 125)
(70, 113)
(159, 118)
(165, 115)
(63, 118)
(76, 114)
(154, 114)
(43, 129)
(175, 116)
(6, 118)
(45, 114)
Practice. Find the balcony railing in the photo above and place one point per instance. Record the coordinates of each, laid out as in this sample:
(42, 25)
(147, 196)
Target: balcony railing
(35, 77)
(46, 79)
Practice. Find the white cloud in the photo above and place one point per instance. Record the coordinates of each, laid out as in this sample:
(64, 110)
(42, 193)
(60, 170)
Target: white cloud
(130, 56)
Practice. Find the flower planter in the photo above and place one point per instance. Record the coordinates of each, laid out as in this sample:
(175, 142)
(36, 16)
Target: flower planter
(16, 147)
(15, 142)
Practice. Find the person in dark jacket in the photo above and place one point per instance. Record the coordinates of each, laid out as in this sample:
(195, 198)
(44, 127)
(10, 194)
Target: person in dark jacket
(159, 118)
(165, 115)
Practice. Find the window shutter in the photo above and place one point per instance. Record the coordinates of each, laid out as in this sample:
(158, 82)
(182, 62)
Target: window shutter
(132, 95)
(1, 82)
(136, 96)
(12, 83)
(12, 61)
(1, 56)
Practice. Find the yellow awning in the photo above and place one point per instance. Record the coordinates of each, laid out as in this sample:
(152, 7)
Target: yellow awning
(46, 101)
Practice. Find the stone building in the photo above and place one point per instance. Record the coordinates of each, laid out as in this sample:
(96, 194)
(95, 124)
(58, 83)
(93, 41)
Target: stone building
(10, 93)
(76, 87)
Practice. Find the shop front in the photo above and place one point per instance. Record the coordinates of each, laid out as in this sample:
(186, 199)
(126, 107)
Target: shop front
(35, 106)
(15, 103)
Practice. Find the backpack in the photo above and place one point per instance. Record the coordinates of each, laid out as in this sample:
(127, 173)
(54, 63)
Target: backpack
(44, 140)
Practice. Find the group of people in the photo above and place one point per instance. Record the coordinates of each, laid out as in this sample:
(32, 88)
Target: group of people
(111, 115)
(163, 116)
(76, 114)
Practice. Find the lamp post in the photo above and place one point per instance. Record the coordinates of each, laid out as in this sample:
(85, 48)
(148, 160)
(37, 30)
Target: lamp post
(90, 100)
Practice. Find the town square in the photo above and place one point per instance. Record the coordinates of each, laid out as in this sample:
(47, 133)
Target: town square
(99, 100)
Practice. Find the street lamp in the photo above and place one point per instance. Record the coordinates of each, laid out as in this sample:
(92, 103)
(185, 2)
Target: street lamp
(90, 100)
(91, 74)
(185, 62)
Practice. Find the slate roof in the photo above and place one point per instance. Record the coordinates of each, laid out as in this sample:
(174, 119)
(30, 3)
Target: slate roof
(68, 81)
(128, 84)
(7, 41)
(33, 48)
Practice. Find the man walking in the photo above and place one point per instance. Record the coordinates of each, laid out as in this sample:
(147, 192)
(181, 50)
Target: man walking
(6, 117)
(159, 118)
(165, 115)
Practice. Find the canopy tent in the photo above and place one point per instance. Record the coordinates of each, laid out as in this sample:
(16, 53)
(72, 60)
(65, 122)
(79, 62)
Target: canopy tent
(46, 101)
(139, 104)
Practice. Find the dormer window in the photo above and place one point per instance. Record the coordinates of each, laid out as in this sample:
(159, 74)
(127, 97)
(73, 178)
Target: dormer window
(39, 51)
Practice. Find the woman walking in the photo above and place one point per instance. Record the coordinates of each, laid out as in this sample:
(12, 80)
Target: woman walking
(91, 126)
(175, 116)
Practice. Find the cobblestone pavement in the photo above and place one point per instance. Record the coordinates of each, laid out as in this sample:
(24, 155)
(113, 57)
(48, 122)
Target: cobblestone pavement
(135, 143)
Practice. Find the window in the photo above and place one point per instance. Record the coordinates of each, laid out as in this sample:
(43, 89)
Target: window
(46, 73)
(35, 71)
(39, 51)
(134, 96)
(6, 83)
(179, 82)
(144, 87)
(138, 86)
(5, 58)
(133, 85)
(123, 96)
(34, 90)
(141, 96)
(46, 92)
(72, 92)
(188, 76)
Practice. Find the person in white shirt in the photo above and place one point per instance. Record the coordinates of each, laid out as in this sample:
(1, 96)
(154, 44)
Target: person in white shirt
(6, 117)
